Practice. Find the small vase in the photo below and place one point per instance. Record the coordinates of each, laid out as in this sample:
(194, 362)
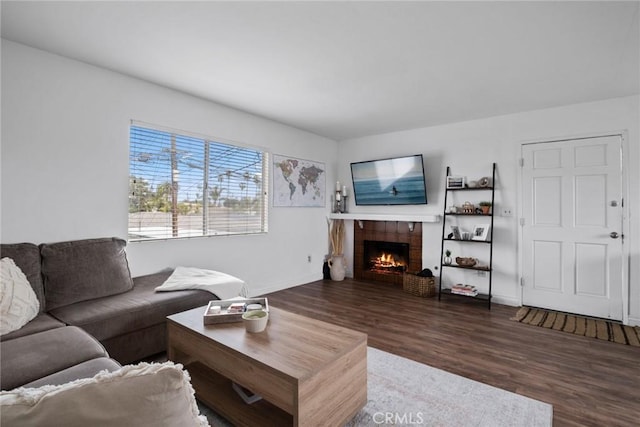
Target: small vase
(338, 269)
(447, 260)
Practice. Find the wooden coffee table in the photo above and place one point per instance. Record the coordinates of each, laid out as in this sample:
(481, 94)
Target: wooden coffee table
(308, 372)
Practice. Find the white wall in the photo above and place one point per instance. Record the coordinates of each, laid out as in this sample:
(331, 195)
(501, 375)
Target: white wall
(65, 132)
(64, 171)
(470, 148)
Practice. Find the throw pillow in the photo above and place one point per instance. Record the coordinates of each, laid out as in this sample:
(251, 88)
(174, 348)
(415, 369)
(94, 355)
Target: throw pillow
(18, 302)
(147, 394)
(81, 270)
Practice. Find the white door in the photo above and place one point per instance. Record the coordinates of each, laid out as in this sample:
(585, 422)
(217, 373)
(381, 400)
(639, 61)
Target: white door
(572, 226)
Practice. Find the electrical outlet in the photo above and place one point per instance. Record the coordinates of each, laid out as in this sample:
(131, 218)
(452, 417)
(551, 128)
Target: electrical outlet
(308, 258)
(507, 212)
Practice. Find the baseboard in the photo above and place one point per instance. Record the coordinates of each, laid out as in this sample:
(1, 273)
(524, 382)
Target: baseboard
(498, 299)
(634, 321)
(281, 286)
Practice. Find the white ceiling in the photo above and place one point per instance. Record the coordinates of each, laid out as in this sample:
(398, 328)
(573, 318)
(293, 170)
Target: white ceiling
(349, 69)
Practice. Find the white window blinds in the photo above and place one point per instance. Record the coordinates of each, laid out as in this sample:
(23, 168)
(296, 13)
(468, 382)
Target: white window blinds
(186, 186)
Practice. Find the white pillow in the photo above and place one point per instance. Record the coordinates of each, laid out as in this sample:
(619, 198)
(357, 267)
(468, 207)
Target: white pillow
(18, 302)
(147, 394)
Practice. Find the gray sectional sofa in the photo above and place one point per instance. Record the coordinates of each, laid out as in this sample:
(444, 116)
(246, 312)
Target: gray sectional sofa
(93, 315)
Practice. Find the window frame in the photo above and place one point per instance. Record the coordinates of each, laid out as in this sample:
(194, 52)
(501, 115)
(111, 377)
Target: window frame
(207, 141)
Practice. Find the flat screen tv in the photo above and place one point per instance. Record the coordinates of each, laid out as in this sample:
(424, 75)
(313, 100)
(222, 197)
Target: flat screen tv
(397, 181)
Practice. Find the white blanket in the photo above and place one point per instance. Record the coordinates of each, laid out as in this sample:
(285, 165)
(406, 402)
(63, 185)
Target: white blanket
(222, 285)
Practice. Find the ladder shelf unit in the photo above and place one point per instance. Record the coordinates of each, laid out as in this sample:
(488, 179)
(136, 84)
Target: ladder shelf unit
(448, 242)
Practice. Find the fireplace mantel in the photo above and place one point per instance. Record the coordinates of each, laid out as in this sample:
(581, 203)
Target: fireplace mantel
(385, 217)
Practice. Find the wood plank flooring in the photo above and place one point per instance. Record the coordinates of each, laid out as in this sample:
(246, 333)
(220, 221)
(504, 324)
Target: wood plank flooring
(589, 382)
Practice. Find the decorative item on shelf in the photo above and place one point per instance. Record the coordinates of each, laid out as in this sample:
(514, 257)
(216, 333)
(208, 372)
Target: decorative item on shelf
(485, 206)
(453, 209)
(447, 257)
(468, 208)
(455, 230)
(466, 261)
(336, 262)
(472, 184)
(455, 182)
(340, 199)
(466, 290)
(345, 196)
(484, 182)
(480, 232)
(418, 285)
(337, 198)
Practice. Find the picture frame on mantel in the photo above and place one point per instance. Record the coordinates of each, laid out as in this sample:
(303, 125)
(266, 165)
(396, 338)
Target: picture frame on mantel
(455, 182)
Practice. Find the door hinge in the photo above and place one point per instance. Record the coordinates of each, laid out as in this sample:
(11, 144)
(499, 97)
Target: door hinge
(522, 282)
(522, 222)
(521, 161)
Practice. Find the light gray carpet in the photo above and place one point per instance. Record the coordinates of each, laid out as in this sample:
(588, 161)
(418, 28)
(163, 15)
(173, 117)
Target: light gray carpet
(406, 393)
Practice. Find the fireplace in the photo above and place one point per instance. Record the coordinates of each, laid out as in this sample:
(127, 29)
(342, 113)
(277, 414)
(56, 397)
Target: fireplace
(383, 250)
(385, 257)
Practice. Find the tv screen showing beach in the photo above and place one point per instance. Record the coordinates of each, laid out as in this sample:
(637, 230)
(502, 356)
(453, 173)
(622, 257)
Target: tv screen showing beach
(398, 181)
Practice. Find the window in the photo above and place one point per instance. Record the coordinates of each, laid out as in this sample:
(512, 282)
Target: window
(187, 186)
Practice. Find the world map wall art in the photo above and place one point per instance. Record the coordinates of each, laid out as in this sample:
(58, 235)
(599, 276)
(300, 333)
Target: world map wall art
(297, 182)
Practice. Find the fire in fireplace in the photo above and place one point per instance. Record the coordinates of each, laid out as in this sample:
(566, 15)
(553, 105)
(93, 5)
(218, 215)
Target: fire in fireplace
(386, 257)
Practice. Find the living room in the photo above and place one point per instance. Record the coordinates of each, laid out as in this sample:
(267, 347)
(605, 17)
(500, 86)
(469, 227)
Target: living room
(66, 119)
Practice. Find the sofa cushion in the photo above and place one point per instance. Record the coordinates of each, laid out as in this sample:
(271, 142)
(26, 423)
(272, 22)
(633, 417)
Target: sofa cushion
(144, 395)
(81, 270)
(137, 309)
(28, 358)
(82, 370)
(42, 322)
(27, 257)
(18, 302)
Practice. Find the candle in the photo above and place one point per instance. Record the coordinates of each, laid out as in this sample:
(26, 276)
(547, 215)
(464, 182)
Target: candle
(338, 196)
(344, 190)
(338, 186)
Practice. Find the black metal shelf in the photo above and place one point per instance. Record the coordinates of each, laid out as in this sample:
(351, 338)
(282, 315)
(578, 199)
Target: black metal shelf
(466, 268)
(467, 241)
(469, 189)
(485, 297)
(466, 214)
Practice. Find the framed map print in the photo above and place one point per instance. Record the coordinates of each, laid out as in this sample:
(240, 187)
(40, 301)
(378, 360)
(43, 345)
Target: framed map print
(297, 182)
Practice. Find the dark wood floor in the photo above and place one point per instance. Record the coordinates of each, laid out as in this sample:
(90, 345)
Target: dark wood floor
(589, 382)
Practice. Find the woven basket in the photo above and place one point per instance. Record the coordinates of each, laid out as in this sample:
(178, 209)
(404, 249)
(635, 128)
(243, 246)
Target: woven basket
(418, 285)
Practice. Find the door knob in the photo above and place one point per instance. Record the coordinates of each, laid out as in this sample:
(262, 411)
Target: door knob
(614, 235)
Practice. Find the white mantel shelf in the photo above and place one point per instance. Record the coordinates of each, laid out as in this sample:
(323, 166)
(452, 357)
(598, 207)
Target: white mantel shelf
(385, 217)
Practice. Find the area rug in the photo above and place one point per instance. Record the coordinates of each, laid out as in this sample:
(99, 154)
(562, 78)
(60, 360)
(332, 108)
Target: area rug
(402, 392)
(578, 325)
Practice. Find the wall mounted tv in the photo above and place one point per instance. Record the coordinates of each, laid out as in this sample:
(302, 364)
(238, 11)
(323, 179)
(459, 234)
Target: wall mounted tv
(396, 181)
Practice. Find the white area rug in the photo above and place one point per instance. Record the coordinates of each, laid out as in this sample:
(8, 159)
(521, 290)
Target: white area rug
(402, 392)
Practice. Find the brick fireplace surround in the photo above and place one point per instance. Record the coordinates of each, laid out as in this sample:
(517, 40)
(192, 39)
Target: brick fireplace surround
(386, 231)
